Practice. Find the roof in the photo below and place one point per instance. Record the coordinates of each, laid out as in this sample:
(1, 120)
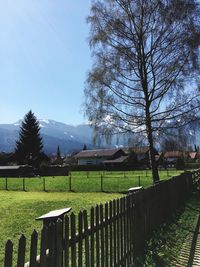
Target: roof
(16, 167)
(118, 160)
(54, 214)
(192, 155)
(173, 154)
(97, 153)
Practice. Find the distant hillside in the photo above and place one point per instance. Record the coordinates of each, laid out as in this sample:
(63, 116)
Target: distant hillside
(68, 137)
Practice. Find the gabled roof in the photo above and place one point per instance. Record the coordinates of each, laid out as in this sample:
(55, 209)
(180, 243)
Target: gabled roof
(193, 155)
(118, 160)
(15, 167)
(98, 153)
(173, 154)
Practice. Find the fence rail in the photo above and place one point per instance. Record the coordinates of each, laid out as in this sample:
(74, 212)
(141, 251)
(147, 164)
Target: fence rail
(110, 234)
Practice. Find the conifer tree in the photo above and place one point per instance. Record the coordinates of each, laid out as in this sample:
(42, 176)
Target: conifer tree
(85, 147)
(29, 146)
(58, 153)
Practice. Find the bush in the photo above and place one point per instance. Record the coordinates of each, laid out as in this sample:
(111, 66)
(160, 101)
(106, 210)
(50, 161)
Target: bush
(180, 165)
(194, 165)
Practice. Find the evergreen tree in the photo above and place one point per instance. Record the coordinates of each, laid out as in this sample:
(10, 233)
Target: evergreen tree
(29, 146)
(58, 153)
(84, 147)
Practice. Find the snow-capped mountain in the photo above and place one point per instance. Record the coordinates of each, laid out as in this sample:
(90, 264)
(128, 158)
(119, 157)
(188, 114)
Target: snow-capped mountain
(71, 138)
(54, 134)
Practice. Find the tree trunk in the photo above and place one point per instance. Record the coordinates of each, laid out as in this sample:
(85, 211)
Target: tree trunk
(152, 158)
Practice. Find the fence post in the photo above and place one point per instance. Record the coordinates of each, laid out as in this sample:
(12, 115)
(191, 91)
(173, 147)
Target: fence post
(51, 244)
(92, 237)
(8, 254)
(21, 251)
(102, 239)
(139, 182)
(73, 240)
(6, 183)
(43, 247)
(87, 248)
(70, 182)
(33, 249)
(59, 243)
(80, 240)
(44, 184)
(24, 189)
(101, 183)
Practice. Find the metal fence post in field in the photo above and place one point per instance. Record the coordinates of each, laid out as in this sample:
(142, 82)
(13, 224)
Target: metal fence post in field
(6, 180)
(70, 181)
(44, 184)
(24, 189)
(139, 181)
(101, 183)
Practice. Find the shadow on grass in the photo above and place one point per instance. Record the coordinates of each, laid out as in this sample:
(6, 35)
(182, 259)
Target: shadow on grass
(194, 243)
(154, 252)
(164, 247)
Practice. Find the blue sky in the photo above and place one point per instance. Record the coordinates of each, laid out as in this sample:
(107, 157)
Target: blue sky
(44, 59)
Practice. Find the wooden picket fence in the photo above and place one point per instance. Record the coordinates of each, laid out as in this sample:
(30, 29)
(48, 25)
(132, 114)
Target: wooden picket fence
(109, 235)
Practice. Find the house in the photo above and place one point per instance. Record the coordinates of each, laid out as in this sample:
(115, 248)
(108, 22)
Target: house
(192, 156)
(98, 156)
(17, 171)
(141, 153)
(116, 162)
(172, 157)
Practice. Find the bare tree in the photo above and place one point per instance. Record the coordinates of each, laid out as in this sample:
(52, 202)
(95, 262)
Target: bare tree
(145, 66)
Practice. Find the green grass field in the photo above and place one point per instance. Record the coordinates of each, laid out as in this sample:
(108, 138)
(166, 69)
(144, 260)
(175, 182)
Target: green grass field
(18, 211)
(86, 181)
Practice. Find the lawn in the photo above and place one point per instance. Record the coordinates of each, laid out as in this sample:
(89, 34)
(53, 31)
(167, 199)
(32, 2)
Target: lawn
(86, 181)
(18, 210)
(166, 244)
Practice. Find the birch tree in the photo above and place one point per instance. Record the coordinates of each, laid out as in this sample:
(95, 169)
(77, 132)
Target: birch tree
(145, 67)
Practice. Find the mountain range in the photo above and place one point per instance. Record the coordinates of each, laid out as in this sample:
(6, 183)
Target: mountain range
(69, 138)
(54, 134)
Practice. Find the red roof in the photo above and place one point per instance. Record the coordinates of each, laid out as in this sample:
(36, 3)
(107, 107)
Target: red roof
(192, 155)
(173, 154)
